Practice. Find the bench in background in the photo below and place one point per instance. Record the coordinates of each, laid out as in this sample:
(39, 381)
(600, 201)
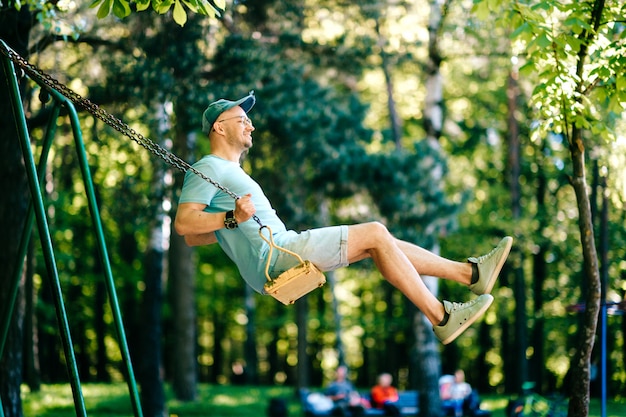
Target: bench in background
(315, 404)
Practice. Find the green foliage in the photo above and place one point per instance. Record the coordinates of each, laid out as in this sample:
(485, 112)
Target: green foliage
(551, 36)
(562, 46)
(49, 14)
(122, 8)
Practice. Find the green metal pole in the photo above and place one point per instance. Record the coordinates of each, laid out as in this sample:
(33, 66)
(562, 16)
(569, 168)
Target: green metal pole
(110, 283)
(46, 242)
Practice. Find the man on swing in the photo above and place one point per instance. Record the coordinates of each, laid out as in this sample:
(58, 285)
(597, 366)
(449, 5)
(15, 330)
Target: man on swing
(207, 215)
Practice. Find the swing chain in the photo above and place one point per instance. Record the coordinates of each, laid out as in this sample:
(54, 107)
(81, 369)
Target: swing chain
(170, 158)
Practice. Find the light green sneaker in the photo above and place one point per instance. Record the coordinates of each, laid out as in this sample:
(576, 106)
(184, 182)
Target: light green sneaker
(462, 315)
(489, 266)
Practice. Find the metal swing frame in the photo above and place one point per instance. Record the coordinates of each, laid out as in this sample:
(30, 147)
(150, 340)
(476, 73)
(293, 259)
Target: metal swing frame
(37, 212)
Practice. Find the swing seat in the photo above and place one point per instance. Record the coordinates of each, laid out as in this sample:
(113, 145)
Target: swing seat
(295, 283)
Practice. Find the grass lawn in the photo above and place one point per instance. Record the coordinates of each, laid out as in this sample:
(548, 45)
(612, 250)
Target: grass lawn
(108, 400)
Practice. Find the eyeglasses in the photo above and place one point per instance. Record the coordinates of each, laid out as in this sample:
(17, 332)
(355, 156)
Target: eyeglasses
(244, 119)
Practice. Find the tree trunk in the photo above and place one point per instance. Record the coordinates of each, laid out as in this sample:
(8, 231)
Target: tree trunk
(273, 356)
(11, 364)
(150, 345)
(427, 357)
(250, 355)
(427, 366)
(150, 359)
(101, 301)
(78, 326)
(182, 292)
(580, 365)
(521, 338)
(32, 375)
(100, 327)
(151, 373)
(219, 333)
(182, 271)
(540, 271)
(14, 30)
(332, 283)
(389, 356)
(303, 379)
(396, 123)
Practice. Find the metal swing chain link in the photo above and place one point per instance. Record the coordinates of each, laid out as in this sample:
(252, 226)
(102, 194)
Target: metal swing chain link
(170, 158)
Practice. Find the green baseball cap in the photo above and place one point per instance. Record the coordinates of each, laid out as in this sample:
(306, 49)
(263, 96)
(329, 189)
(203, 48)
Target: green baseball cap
(218, 107)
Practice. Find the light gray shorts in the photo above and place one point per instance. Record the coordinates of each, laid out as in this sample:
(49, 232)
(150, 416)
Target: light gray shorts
(326, 248)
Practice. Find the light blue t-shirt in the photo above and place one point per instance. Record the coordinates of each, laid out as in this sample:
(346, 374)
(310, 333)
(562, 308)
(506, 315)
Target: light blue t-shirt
(243, 245)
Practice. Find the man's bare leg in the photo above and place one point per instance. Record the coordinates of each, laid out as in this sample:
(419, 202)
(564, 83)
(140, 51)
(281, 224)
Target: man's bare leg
(373, 240)
(428, 263)
(401, 263)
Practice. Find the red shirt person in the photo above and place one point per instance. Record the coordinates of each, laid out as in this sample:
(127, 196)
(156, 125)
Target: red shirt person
(383, 393)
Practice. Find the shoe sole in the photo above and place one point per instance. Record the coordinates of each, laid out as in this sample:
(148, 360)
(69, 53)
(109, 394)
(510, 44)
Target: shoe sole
(500, 264)
(468, 323)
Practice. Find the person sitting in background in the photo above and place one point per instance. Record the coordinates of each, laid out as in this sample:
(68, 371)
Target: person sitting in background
(458, 398)
(346, 399)
(384, 395)
(454, 391)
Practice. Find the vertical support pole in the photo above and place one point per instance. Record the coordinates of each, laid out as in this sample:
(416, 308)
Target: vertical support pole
(46, 242)
(604, 277)
(97, 225)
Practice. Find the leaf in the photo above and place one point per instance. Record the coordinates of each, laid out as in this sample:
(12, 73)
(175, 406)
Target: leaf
(543, 41)
(494, 4)
(481, 10)
(105, 9)
(529, 13)
(180, 15)
(162, 6)
(528, 68)
(577, 25)
(193, 5)
(142, 5)
(617, 106)
(524, 28)
(206, 8)
(121, 8)
(574, 43)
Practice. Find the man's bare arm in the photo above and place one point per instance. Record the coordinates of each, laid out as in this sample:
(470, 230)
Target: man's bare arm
(198, 226)
(201, 240)
(191, 219)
